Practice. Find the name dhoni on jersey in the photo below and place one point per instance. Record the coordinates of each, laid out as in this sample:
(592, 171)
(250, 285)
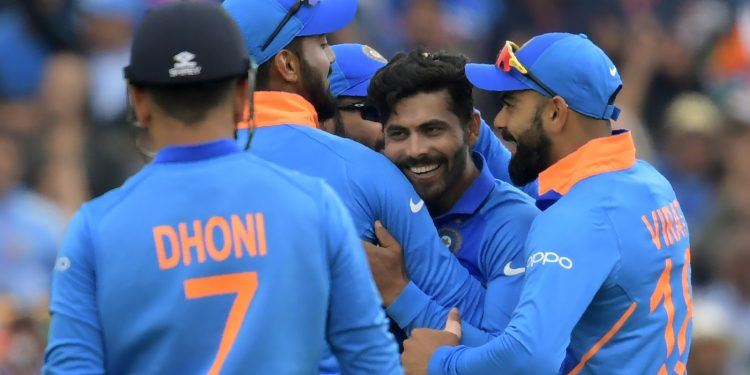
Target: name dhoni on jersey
(218, 238)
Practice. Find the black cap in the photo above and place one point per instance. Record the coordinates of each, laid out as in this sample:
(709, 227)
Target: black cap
(187, 42)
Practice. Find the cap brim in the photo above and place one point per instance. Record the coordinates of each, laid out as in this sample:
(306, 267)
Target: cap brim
(359, 89)
(489, 77)
(330, 16)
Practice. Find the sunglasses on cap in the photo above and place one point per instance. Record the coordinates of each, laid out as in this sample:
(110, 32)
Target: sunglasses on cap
(507, 59)
(366, 111)
(292, 11)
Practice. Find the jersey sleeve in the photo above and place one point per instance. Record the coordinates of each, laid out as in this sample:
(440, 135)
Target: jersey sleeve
(569, 259)
(498, 158)
(357, 329)
(427, 262)
(502, 259)
(75, 340)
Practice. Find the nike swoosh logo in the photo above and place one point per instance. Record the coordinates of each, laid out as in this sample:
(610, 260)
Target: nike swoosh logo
(510, 271)
(415, 207)
(612, 71)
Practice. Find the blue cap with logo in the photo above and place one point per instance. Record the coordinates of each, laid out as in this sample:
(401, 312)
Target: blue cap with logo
(355, 65)
(258, 19)
(569, 65)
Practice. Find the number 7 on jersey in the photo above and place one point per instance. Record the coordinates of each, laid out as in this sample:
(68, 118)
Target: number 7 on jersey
(244, 284)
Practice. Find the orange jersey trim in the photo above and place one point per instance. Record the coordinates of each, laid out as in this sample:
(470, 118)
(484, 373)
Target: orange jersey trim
(601, 155)
(280, 108)
(603, 341)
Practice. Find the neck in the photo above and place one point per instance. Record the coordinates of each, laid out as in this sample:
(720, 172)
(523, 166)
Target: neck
(283, 86)
(578, 134)
(171, 132)
(454, 191)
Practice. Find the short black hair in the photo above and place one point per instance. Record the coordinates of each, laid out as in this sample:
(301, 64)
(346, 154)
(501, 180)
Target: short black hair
(263, 75)
(420, 71)
(190, 103)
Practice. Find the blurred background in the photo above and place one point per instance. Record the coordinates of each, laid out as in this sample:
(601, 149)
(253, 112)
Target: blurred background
(65, 138)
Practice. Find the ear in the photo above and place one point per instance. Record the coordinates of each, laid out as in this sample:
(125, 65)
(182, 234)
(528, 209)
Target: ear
(141, 104)
(473, 128)
(287, 65)
(557, 114)
(241, 105)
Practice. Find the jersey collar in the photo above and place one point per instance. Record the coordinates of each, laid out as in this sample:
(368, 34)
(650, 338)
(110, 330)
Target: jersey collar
(477, 192)
(601, 155)
(281, 108)
(195, 152)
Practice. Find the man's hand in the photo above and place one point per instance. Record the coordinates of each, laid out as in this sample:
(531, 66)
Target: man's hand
(386, 264)
(423, 342)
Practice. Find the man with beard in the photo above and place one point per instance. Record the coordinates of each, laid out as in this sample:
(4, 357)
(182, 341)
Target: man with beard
(430, 126)
(356, 119)
(608, 272)
(189, 266)
(287, 37)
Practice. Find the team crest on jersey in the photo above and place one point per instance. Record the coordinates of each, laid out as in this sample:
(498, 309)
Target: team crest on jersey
(373, 54)
(451, 238)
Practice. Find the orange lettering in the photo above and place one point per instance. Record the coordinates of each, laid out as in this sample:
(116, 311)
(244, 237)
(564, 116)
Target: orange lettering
(226, 249)
(678, 218)
(243, 234)
(654, 232)
(166, 262)
(667, 240)
(261, 225)
(670, 224)
(195, 241)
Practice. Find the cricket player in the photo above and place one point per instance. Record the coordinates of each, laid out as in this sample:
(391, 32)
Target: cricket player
(288, 40)
(357, 119)
(608, 271)
(189, 268)
(430, 126)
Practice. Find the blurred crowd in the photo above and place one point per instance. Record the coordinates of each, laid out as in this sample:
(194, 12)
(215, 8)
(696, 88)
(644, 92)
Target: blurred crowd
(65, 135)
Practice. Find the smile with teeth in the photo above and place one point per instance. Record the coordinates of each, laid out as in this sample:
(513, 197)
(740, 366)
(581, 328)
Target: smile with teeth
(424, 168)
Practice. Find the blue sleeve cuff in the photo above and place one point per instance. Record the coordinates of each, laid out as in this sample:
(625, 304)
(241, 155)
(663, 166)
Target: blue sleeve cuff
(439, 357)
(410, 303)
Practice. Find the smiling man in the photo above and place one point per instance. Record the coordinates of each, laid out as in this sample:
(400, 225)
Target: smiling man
(607, 287)
(430, 127)
(287, 37)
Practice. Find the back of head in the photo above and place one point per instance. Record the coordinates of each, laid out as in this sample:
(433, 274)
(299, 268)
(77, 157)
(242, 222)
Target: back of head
(355, 66)
(187, 55)
(419, 71)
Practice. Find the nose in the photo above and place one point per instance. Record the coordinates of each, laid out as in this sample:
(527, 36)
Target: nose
(330, 55)
(501, 120)
(416, 147)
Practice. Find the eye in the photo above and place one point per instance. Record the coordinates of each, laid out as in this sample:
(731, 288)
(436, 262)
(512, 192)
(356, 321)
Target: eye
(433, 130)
(395, 134)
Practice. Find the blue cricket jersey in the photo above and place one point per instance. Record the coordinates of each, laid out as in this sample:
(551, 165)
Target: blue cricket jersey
(372, 188)
(498, 158)
(486, 230)
(211, 260)
(607, 275)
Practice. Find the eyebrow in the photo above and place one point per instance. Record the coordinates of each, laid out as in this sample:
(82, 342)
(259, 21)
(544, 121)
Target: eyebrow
(421, 125)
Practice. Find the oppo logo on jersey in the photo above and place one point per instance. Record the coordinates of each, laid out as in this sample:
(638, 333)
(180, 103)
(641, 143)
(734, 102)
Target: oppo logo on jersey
(548, 257)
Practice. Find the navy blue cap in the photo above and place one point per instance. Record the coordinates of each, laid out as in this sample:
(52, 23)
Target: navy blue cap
(259, 18)
(355, 65)
(571, 65)
(187, 42)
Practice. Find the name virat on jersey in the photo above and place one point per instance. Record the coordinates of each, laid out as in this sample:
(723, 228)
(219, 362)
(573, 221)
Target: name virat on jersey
(216, 238)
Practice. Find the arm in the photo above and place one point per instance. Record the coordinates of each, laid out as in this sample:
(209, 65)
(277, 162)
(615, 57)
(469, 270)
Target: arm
(428, 263)
(75, 337)
(552, 302)
(502, 259)
(357, 329)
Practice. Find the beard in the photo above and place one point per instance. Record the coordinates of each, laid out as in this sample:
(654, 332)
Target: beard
(532, 155)
(316, 91)
(453, 168)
